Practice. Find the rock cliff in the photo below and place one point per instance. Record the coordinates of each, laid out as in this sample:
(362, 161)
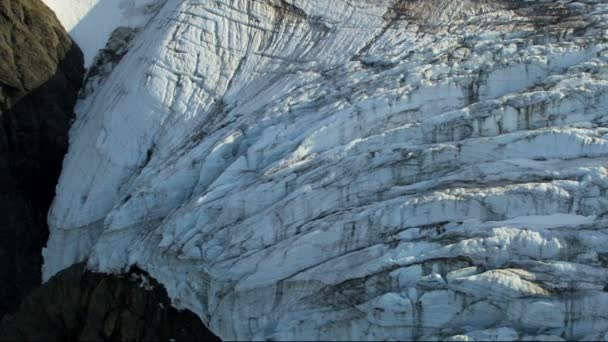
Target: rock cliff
(77, 305)
(40, 75)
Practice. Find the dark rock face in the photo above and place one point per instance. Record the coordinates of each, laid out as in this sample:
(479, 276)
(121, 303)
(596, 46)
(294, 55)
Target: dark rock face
(80, 305)
(108, 57)
(40, 75)
(41, 72)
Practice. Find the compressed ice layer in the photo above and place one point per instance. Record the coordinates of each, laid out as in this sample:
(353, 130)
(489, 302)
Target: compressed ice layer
(353, 169)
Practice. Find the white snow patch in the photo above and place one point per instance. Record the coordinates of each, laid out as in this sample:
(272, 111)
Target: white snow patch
(90, 22)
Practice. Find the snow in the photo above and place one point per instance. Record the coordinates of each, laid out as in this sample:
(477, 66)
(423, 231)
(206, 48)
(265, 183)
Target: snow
(90, 22)
(548, 221)
(356, 170)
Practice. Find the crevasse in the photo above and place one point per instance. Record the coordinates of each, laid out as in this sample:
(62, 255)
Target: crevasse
(353, 169)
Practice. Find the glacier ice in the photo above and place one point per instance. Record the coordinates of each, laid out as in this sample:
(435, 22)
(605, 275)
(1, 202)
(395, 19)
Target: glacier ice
(353, 169)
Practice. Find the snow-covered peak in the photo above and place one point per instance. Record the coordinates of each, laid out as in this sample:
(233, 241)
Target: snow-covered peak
(90, 22)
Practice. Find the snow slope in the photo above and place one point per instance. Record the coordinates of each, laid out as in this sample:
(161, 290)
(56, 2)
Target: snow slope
(90, 22)
(353, 169)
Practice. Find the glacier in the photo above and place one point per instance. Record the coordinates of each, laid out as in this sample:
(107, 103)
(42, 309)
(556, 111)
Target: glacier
(353, 169)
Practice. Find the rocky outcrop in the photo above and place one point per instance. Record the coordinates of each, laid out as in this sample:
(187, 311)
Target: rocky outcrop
(107, 58)
(353, 169)
(40, 75)
(77, 305)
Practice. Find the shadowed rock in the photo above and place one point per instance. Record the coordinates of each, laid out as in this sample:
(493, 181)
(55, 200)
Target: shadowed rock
(40, 75)
(80, 305)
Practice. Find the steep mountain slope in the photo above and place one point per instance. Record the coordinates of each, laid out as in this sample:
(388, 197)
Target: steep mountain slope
(40, 75)
(353, 169)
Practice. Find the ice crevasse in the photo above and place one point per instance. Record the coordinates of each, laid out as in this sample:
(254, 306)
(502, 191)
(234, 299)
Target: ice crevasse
(352, 169)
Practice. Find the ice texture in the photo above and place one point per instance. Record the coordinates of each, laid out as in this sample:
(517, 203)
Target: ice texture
(353, 169)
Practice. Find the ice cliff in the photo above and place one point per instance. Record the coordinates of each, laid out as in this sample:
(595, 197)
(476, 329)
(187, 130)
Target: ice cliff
(353, 169)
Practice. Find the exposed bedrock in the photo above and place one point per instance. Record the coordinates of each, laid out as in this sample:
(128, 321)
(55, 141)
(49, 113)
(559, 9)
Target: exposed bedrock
(353, 169)
(40, 75)
(78, 305)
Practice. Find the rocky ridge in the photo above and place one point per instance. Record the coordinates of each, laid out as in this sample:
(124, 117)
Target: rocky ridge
(77, 305)
(40, 75)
